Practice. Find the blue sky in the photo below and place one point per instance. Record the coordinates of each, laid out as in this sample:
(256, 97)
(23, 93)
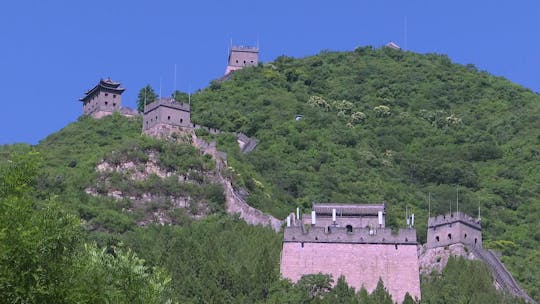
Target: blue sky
(52, 51)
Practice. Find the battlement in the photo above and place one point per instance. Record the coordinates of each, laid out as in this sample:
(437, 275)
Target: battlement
(454, 217)
(167, 102)
(349, 236)
(241, 48)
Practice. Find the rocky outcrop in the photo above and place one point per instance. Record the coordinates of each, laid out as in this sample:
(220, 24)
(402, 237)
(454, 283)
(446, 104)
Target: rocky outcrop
(435, 259)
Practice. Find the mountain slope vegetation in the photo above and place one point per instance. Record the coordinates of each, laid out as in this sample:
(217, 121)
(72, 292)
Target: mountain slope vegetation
(365, 126)
(377, 125)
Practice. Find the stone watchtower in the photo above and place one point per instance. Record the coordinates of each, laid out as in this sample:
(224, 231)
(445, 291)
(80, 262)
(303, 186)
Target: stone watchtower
(452, 228)
(242, 56)
(103, 99)
(351, 240)
(166, 113)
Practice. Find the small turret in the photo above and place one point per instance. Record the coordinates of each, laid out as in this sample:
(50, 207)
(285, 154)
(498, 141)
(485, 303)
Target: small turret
(452, 228)
(242, 56)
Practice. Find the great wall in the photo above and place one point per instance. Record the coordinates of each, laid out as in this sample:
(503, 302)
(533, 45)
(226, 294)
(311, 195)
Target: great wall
(337, 239)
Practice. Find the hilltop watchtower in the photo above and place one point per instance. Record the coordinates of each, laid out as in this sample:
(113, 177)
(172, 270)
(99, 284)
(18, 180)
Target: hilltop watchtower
(452, 228)
(166, 112)
(242, 56)
(103, 99)
(352, 240)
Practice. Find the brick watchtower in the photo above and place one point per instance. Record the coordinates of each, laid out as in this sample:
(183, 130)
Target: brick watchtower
(103, 99)
(453, 228)
(352, 240)
(166, 114)
(242, 56)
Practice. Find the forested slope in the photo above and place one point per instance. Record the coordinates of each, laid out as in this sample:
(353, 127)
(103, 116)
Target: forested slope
(376, 125)
(387, 125)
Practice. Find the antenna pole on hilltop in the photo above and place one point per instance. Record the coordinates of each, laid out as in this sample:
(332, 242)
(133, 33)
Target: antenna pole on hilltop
(457, 198)
(429, 204)
(159, 87)
(407, 214)
(405, 33)
(478, 211)
(174, 91)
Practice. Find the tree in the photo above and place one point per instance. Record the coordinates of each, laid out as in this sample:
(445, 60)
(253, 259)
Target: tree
(146, 96)
(316, 285)
(180, 96)
(380, 295)
(37, 239)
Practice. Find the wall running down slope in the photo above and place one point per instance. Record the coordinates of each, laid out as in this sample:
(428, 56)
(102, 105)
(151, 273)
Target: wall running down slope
(236, 202)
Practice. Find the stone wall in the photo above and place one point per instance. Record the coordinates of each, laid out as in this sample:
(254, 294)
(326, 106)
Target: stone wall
(343, 235)
(235, 198)
(361, 264)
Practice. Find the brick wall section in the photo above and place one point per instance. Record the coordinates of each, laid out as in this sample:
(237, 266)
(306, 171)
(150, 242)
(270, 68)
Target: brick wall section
(361, 264)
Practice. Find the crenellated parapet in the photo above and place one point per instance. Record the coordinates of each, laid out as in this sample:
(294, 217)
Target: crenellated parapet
(454, 217)
(167, 102)
(316, 234)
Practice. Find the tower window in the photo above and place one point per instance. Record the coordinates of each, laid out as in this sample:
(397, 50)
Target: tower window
(237, 62)
(114, 104)
(168, 118)
(181, 120)
(465, 235)
(114, 96)
(106, 94)
(449, 236)
(349, 228)
(437, 238)
(106, 103)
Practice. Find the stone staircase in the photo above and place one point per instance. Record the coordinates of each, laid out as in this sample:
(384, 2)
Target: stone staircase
(501, 274)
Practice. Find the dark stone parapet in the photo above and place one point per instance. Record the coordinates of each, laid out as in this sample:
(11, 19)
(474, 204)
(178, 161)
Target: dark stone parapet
(356, 236)
(170, 103)
(454, 217)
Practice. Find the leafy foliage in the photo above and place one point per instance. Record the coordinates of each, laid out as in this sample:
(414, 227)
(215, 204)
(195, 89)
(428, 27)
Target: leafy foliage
(146, 96)
(386, 125)
(376, 125)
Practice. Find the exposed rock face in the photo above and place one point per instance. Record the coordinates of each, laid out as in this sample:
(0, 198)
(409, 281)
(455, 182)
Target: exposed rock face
(170, 132)
(158, 208)
(435, 259)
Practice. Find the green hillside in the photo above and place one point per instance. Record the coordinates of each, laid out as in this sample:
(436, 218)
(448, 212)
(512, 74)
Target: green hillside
(386, 125)
(376, 125)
